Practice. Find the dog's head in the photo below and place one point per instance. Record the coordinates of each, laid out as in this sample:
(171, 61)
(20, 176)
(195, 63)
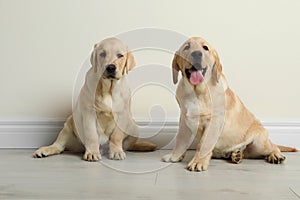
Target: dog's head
(196, 60)
(112, 58)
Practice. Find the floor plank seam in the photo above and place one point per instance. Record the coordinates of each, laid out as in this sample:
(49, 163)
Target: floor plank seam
(295, 193)
(156, 178)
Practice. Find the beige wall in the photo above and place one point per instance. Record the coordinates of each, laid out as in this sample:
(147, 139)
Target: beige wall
(44, 43)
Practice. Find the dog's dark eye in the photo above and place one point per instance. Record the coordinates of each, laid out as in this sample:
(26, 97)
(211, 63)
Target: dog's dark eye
(205, 47)
(103, 54)
(187, 47)
(120, 55)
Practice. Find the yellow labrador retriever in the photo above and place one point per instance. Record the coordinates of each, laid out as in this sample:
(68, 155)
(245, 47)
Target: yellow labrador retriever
(224, 127)
(102, 112)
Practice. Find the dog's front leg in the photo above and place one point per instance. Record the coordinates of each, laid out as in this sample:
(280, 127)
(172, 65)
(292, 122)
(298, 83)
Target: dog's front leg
(116, 145)
(183, 140)
(90, 138)
(206, 145)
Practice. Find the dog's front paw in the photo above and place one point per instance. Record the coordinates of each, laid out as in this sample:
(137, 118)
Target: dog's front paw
(275, 158)
(117, 155)
(172, 158)
(92, 156)
(199, 164)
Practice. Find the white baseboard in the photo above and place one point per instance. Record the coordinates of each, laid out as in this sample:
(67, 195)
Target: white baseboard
(36, 133)
(28, 133)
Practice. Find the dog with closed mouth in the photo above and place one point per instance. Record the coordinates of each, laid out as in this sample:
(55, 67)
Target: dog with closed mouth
(102, 112)
(210, 111)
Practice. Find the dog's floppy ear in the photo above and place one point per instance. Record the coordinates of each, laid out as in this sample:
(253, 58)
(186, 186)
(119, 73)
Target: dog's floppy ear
(93, 59)
(217, 68)
(130, 62)
(175, 68)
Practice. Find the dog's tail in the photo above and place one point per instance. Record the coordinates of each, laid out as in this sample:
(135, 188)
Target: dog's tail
(142, 146)
(287, 149)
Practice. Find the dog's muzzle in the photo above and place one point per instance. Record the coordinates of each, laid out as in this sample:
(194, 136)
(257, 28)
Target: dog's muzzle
(110, 71)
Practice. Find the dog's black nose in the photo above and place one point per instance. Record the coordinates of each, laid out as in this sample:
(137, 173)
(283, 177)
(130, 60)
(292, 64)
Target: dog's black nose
(111, 68)
(197, 54)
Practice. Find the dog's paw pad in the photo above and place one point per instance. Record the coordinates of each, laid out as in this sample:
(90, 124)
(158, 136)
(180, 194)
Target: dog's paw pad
(237, 156)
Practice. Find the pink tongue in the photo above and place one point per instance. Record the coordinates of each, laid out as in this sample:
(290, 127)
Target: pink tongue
(196, 77)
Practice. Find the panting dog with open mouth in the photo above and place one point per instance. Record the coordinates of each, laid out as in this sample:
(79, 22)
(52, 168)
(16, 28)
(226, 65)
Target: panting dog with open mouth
(211, 112)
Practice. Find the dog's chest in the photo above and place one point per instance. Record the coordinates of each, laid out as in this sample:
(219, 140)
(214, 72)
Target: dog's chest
(103, 103)
(111, 102)
(198, 106)
(105, 118)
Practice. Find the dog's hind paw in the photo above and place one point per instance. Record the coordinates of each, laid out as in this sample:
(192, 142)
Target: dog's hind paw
(46, 151)
(275, 158)
(237, 156)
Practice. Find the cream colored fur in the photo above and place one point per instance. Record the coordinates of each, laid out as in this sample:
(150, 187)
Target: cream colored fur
(210, 111)
(102, 112)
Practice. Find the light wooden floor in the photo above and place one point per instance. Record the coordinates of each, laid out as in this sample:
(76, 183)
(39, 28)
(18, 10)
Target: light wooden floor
(66, 176)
